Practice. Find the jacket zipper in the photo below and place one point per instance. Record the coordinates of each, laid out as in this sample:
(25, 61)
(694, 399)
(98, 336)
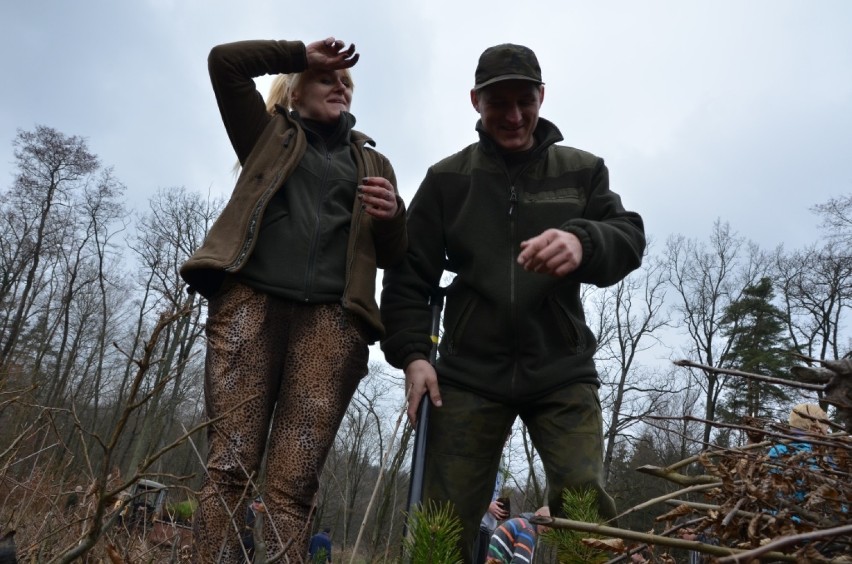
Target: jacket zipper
(252, 226)
(513, 310)
(513, 265)
(258, 210)
(312, 254)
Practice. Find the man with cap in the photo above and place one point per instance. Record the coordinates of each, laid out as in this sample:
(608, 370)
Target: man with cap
(522, 222)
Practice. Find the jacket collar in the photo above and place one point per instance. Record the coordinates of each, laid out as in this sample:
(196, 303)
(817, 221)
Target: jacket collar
(333, 134)
(355, 137)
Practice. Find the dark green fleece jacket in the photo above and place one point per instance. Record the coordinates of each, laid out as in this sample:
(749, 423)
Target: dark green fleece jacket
(312, 213)
(508, 334)
(270, 148)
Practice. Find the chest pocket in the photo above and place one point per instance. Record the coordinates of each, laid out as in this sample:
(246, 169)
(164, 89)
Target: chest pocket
(570, 195)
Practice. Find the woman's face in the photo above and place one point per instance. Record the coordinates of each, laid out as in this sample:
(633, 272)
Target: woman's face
(322, 95)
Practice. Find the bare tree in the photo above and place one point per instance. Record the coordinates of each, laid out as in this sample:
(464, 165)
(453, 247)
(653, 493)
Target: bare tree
(629, 317)
(707, 277)
(51, 167)
(836, 216)
(91, 270)
(176, 224)
(358, 452)
(62, 211)
(816, 294)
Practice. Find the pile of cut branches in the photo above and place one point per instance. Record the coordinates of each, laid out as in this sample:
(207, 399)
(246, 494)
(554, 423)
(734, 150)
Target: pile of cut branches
(797, 503)
(786, 497)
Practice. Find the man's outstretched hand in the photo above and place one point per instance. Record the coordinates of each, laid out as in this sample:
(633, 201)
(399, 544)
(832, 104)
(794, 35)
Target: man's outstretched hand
(554, 252)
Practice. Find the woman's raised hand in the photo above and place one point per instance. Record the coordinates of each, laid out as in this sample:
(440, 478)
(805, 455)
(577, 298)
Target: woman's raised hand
(329, 54)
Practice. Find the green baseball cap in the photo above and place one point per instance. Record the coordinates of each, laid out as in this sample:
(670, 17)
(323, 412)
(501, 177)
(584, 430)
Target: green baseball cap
(507, 62)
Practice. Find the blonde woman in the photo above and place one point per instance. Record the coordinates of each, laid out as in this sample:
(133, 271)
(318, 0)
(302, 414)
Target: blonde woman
(289, 270)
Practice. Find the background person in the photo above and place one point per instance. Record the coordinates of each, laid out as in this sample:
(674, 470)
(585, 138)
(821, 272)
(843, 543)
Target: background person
(513, 542)
(522, 222)
(492, 517)
(319, 550)
(289, 270)
(805, 419)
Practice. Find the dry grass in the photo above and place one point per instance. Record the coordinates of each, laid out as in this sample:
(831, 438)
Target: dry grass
(51, 519)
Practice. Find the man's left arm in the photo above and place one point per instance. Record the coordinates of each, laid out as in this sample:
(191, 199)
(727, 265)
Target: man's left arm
(601, 247)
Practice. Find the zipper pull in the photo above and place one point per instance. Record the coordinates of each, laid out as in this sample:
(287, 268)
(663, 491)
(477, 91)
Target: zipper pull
(513, 199)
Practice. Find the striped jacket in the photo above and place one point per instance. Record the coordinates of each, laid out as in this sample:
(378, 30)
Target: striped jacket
(513, 542)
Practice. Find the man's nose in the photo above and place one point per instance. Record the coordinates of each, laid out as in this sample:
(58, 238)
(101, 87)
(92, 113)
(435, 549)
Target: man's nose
(513, 114)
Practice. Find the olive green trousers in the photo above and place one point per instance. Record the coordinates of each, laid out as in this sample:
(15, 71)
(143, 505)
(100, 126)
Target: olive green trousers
(466, 438)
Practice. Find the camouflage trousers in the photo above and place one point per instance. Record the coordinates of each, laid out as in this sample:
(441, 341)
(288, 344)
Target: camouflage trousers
(466, 437)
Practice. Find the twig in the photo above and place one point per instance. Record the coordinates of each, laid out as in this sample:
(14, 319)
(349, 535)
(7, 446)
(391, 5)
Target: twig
(713, 507)
(765, 550)
(751, 376)
(696, 457)
(666, 533)
(662, 498)
(733, 512)
(678, 478)
(647, 538)
(36, 453)
(20, 394)
(816, 439)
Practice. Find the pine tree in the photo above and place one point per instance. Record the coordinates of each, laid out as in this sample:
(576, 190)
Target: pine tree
(433, 537)
(757, 331)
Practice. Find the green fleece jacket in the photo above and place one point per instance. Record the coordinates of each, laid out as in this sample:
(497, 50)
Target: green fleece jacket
(269, 148)
(508, 334)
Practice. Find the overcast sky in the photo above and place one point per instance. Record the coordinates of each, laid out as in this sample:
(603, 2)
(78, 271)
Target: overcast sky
(738, 110)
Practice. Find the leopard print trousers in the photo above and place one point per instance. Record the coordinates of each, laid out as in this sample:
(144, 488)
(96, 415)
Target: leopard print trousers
(280, 374)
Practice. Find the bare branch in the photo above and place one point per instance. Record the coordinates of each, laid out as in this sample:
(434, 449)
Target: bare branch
(768, 379)
(766, 550)
(648, 538)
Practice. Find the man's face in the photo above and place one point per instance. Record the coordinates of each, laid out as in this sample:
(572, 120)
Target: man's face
(509, 112)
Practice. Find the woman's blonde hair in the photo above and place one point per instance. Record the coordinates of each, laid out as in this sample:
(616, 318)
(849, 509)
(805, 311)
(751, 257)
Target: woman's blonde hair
(809, 417)
(283, 86)
(281, 94)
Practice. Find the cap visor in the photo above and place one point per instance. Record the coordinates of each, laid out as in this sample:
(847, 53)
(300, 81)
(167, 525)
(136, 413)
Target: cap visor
(503, 77)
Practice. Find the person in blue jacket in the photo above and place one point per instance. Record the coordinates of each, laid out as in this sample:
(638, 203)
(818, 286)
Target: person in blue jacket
(319, 550)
